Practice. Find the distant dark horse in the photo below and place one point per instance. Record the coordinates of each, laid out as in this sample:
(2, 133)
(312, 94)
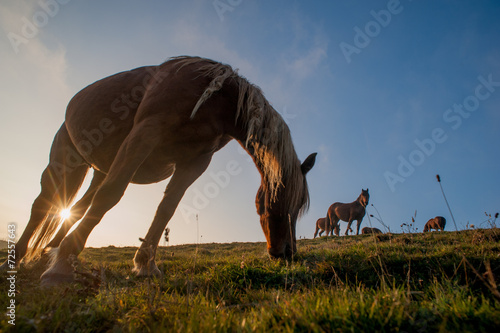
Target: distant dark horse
(348, 212)
(368, 230)
(321, 226)
(437, 223)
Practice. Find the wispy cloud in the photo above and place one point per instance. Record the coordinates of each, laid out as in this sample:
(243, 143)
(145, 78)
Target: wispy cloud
(31, 60)
(308, 49)
(193, 40)
(305, 65)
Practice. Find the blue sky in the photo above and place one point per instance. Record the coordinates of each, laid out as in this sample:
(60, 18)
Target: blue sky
(389, 93)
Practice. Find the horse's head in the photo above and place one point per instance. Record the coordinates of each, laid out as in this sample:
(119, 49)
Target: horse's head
(364, 197)
(278, 215)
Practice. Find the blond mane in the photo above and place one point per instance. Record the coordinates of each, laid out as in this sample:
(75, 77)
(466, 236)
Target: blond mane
(268, 137)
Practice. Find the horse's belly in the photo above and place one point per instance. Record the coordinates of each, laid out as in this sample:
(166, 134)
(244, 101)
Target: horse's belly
(149, 175)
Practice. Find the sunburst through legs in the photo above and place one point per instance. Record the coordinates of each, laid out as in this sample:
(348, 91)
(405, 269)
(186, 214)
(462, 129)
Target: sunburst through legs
(65, 213)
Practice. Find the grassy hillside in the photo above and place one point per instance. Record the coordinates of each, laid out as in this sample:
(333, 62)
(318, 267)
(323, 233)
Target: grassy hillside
(440, 281)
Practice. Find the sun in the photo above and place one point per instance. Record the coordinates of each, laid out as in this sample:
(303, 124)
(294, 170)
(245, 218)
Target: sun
(65, 213)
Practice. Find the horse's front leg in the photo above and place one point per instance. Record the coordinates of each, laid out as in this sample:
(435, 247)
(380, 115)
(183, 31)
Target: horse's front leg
(358, 225)
(185, 174)
(348, 227)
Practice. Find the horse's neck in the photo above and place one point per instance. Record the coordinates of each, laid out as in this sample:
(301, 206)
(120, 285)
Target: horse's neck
(358, 201)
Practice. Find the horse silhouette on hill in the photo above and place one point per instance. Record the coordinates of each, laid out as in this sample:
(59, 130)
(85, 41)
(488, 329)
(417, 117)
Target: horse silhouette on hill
(368, 231)
(151, 123)
(437, 223)
(348, 212)
(321, 226)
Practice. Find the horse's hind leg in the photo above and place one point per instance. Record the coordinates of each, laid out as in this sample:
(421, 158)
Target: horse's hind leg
(134, 150)
(334, 224)
(316, 232)
(184, 176)
(334, 227)
(78, 209)
(327, 226)
(60, 182)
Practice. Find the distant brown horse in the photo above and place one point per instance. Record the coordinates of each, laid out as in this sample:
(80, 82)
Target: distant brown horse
(368, 230)
(437, 223)
(321, 226)
(348, 212)
(151, 123)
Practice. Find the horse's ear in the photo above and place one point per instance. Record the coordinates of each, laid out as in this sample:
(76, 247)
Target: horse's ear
(308, 163)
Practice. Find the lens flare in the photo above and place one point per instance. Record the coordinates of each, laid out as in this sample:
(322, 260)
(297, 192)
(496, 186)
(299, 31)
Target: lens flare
(65, 213)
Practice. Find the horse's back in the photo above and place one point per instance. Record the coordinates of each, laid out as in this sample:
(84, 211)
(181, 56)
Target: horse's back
(337, 207)
(156, 99)
(101, 115)
(441, 222)
(368, 230)
(346, 211)
(437, 223)
(320, 223)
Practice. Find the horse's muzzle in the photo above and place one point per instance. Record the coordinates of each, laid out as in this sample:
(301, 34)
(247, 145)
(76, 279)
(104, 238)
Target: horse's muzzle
(286, 251)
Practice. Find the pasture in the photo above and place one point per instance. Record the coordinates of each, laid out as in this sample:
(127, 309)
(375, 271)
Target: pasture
(410, 282)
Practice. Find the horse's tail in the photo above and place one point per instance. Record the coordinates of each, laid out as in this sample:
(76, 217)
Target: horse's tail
(327, 224)
(60, 183)
(43, 233)
(52, 220)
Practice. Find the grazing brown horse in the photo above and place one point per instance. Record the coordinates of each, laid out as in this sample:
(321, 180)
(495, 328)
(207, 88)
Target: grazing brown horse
(321, 226)
(368, 230)
(348, 212)
(145, 125)
(437, 223)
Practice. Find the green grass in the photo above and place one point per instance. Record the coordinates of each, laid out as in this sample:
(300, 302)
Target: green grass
(433, 282)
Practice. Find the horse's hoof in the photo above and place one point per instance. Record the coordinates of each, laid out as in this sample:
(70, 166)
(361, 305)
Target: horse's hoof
(151, 272)
(49, 279)
(60, 271)
(146, 270)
